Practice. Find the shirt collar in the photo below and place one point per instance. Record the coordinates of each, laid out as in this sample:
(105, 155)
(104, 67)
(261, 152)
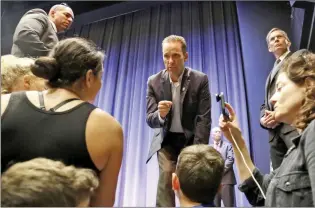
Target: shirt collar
(53, 25)
(217, 143)
(284, 55)
(179, 79)
(296, 140)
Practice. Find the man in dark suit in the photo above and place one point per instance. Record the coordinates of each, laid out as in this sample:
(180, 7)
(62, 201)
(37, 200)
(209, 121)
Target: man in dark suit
(226, 193)
(280, 134)
(178, 108)
(36, 33)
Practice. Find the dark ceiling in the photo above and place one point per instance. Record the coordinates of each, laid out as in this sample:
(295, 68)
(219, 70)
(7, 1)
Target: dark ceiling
(78, 7)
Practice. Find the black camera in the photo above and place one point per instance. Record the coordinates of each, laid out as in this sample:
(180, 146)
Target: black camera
(220, 98)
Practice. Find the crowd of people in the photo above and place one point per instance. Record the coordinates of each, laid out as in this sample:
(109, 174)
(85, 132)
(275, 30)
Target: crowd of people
(59, 149)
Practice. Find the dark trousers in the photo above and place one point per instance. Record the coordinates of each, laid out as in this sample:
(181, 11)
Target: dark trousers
(227, 194)
(172, 144)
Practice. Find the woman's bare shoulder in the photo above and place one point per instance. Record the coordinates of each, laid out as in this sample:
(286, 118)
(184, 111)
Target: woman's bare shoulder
(103, 124)
(105, 119)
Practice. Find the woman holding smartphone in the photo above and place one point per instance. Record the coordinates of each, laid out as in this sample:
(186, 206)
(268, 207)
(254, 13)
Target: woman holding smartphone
(293, 183)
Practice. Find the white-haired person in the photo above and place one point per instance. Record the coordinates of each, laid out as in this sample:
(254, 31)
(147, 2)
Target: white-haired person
(16, 75)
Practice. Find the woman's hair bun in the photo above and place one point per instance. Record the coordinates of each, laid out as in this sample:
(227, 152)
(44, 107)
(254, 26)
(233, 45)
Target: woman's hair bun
(45, 67)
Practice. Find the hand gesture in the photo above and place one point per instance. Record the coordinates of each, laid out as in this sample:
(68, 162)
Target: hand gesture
(268, 120)
(164, 107)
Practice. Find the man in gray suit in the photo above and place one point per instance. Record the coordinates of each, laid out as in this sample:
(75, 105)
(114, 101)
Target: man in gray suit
(178, 108)
(226, 193)
(280, 134)
(36, 33)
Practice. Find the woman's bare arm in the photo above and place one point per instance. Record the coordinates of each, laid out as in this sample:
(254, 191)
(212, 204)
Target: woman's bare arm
(105, 144)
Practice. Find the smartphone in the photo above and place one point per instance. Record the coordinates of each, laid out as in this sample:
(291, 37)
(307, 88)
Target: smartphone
(224, 112)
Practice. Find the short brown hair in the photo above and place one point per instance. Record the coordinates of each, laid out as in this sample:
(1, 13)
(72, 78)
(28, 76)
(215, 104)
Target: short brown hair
(298, 67)
(277, 29)
(42, 182)
(176, 38)
(200, 170)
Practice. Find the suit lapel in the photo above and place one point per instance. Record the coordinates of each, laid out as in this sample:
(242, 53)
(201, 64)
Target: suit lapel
(267, 91)
(184, 85)
(272, 78)
(166, 92)
(166, 89)
(221, 147)
(273, 75)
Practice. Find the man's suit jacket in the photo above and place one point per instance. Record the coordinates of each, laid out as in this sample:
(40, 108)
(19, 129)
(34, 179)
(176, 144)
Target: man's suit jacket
(283, 130)
(226, 151)
(195, 110)
(34, 35)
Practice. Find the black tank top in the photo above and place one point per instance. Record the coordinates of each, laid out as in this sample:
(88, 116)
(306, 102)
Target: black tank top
(28, 132)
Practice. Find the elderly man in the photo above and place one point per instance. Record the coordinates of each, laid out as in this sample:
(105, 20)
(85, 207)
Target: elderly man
(226, 193)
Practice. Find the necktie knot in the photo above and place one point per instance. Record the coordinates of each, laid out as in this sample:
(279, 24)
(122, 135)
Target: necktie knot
(278, 61)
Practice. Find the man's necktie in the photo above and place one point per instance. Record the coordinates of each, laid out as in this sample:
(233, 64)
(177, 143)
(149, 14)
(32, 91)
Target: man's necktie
(217, 147)
(277, 62)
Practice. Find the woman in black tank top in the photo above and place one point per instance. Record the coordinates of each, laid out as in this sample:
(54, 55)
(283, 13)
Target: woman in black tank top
(61, 123)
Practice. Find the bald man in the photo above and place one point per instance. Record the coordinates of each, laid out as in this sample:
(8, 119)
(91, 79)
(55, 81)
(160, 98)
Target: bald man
(36, 33)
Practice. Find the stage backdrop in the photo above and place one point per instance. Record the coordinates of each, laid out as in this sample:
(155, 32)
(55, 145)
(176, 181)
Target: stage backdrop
(133, 46)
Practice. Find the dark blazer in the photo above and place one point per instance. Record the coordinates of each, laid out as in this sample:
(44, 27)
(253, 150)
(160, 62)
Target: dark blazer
(34, 35)
(283, 131)
(227, 153)
(196, 107)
